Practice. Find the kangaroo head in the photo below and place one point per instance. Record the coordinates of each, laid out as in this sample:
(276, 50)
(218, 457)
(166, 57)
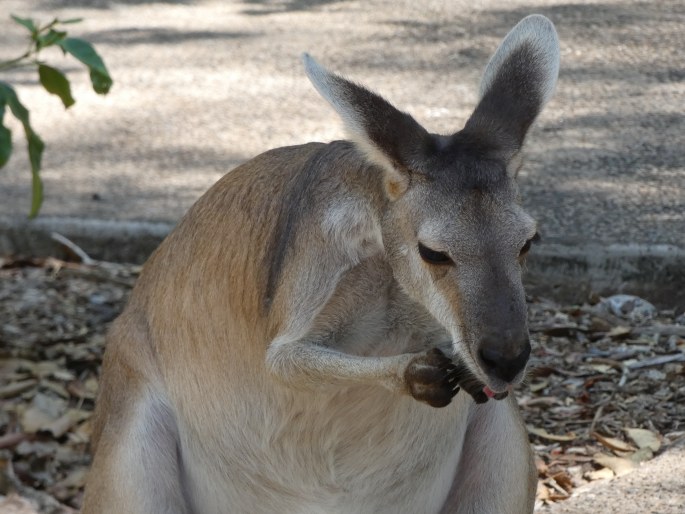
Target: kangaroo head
(453, 230)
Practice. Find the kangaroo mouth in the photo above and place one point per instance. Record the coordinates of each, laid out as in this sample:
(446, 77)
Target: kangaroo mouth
(474, 386)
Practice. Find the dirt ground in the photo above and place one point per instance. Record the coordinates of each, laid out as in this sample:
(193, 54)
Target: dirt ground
(604, 395)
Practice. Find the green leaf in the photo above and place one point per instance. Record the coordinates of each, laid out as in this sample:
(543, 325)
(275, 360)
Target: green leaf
(5, 138)
(5, 145)
(9, 97)
(26, 22)
(84, 52)
(101, 83)
(35, 144)
(36, 147)
(56, 83)
(49, 39)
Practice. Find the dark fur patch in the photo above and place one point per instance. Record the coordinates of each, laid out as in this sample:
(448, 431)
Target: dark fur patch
(298, 200)
(469, 383)
(513, 101)
(468, 163)
(430, 378)
(395, 132)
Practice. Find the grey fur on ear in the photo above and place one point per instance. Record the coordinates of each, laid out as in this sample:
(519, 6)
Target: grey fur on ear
(518, 81)
(539, 33)
(387, 137)
(332, 88)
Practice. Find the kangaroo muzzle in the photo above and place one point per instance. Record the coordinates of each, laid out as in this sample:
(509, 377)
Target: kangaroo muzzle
(503, 365)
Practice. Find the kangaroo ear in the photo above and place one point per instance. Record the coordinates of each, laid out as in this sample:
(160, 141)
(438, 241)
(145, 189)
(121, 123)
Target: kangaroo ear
(388, 137)
(518, 81)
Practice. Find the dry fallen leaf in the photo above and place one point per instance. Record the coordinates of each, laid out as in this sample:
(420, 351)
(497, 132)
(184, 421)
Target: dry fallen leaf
(538, 385)
(541, 467)
(602, 368)
(47, 368)
(76, 478)
(644, 438)
(542, 433)
(16, 388)
(620, 332)
(83, 432)
(564, 480)
(619, 465)
(542, 493)
(63, 424)
(599, 474)
(54, 324)
(35, 419)
(641, 455)
(613, 444)
(13, 504)
(42, 412)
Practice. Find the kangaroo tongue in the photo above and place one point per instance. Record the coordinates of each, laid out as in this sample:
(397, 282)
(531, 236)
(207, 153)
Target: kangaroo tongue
(469, 383)
(492, 394)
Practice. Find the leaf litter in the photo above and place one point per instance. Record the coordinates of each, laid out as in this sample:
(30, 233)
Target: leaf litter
(606, 388)
(53, 317)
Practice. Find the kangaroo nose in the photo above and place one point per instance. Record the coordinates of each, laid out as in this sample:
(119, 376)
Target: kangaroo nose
(501, 365)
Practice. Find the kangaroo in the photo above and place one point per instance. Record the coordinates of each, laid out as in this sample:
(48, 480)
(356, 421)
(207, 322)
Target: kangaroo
(297, 344)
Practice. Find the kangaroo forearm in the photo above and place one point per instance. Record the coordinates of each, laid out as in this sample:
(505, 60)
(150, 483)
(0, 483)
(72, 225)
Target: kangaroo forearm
(307, 364)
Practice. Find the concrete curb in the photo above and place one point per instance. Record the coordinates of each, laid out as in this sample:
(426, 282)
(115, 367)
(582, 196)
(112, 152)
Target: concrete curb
(117, 241)
(558, 270)
(571, 273)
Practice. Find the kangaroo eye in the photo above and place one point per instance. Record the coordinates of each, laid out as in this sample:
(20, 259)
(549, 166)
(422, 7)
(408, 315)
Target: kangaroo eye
(433, 257)
(529, 243)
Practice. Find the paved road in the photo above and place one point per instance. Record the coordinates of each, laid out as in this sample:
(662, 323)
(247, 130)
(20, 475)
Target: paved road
(657, 487)
(203, 86)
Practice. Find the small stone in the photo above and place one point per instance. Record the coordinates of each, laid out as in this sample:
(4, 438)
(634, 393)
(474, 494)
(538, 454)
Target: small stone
(632, 308)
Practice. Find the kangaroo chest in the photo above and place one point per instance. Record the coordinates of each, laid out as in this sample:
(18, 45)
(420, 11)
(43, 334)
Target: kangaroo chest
(351, 449)
(354, 450)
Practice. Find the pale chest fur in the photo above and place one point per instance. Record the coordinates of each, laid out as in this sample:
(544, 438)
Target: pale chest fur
(335, 449)
(359, 449)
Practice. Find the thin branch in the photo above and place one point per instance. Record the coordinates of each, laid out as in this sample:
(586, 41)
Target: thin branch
(73, 247)
(15, 63)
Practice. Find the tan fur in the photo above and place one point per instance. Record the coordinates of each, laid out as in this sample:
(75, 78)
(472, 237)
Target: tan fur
(277, 355)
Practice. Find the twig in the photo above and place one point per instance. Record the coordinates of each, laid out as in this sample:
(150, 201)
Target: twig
(595, 419)
(607, 362)
(598, 413)
(557, 330)
(555, 485)
(16, 388)
(99, 274)
(661, 329)
(74, 248)
(658, 361)
(14, 63)
(625, 372)
(12, 439)
(46, 503)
